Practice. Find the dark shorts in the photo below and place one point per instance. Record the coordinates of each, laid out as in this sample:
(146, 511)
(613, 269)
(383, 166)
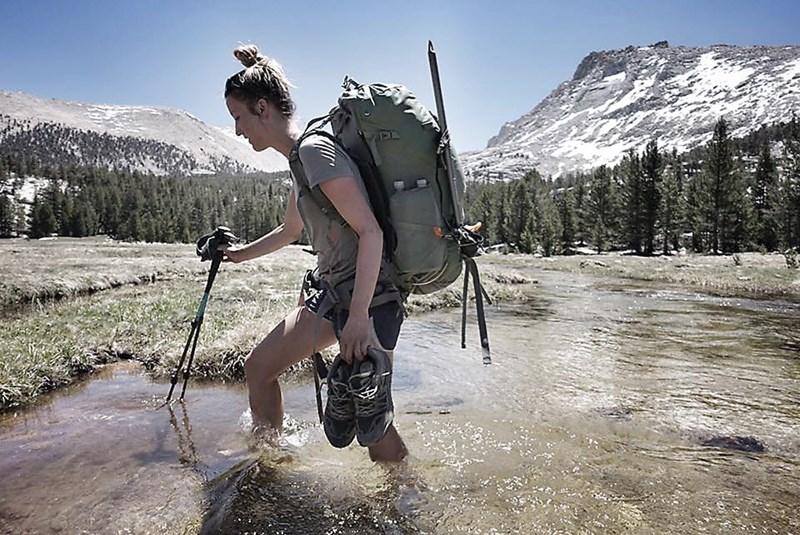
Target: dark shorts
(386, 319)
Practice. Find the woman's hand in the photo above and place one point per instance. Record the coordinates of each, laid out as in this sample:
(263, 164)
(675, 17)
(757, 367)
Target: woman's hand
(233, 253)
(355, 337)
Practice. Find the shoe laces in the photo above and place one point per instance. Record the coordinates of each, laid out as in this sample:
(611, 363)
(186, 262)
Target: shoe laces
(340, 408)
(340, 402)
(372, 395)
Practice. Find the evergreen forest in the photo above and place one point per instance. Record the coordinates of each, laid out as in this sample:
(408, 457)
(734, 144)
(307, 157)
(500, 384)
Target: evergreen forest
(87, 201)
(732, 195)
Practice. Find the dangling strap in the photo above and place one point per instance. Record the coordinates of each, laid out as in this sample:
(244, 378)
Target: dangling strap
(480, 293)
(464, 298)
(320, 371)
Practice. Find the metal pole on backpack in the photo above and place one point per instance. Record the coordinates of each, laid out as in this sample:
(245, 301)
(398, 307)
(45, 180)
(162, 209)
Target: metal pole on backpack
(206, 250)
(437, 94)
(462, 232)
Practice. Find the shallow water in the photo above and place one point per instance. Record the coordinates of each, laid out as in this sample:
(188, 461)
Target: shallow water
(591, 420)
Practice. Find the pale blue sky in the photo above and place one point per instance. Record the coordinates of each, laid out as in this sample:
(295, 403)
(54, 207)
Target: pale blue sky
(498, 59)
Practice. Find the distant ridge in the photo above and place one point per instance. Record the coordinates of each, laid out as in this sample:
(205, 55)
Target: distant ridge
(621, 99)
(151, 139)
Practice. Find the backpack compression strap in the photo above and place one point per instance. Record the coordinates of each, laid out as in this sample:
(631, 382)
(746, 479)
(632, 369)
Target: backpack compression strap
(480, 293)
(469, 244)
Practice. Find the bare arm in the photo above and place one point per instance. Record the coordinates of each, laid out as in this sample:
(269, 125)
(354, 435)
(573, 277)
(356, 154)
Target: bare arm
(281, 236)
(349, 201)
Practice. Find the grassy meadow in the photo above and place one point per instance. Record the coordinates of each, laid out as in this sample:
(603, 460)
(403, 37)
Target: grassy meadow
(72, 305)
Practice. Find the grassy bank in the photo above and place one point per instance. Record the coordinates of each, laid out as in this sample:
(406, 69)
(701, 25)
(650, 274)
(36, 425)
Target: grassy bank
(37, 271)
(59, 325)
(70, 306)
(746, 274)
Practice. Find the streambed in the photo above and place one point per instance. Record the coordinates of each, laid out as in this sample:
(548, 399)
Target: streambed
(596, 417)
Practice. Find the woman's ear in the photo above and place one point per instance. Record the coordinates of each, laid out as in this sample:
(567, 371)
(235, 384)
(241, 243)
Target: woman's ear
(262, 106)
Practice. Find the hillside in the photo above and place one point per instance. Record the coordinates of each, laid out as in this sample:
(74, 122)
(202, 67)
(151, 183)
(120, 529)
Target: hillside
(620, 99)
(134, 138)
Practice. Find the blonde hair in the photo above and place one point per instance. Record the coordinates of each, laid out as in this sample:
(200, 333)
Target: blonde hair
(262, 77)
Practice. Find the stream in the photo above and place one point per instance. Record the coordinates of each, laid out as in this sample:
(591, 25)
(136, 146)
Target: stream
(610, 407)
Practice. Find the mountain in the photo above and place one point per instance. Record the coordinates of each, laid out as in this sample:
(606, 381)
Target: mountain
(621, 99)
(157, 140)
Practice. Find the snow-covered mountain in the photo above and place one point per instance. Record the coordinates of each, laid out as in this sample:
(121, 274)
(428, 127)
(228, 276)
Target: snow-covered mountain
(158, 140)
(621, 99)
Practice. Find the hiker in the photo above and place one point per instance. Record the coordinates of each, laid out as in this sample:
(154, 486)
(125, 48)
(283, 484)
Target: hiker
(348, 278)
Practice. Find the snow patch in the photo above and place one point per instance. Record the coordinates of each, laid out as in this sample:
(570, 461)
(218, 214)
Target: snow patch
(791, 71)
(619, 77)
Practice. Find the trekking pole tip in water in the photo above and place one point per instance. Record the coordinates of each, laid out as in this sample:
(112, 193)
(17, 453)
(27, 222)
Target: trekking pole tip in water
(487, 356)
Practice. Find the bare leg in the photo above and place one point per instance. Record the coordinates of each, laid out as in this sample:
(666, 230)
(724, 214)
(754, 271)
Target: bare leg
(288, 343)
(390, 448)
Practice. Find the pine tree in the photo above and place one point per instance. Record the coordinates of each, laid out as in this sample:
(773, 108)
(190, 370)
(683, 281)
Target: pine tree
(766, 201)
(581, 195)
(503, 221)
(518, 212)
(652, 168)
(600, 208)
(6, 216)
(551, 228)
(791, 186)
(671, 205)
(568, 219)
(632, 200)
(718, 168)
(539, 194)
(42, 219)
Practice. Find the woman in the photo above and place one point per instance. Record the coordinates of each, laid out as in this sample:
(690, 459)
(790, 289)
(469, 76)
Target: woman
(349, 247)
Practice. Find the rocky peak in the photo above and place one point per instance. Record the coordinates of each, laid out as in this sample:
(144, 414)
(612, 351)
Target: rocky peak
(621, 99)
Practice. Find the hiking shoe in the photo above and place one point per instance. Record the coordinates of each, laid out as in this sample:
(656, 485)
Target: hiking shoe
(371, 388)
(339, 419)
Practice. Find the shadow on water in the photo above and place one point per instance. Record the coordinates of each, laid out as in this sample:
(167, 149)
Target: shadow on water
(636, 410)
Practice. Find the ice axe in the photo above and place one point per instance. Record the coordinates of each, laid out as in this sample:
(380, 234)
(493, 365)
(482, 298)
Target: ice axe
(206, 250)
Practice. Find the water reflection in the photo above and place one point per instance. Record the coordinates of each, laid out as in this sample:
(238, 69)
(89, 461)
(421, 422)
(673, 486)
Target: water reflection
(606, 410)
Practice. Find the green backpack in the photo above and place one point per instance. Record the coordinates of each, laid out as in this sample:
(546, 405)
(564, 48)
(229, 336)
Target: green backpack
(415, 185)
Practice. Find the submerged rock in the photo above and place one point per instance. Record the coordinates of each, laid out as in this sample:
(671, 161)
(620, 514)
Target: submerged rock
(735, 442)
(615, 411)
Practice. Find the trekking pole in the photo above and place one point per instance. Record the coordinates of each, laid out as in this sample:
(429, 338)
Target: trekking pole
(206, 249)
(437, 94)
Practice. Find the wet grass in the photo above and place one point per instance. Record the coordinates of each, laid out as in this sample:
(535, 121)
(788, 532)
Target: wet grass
(71, 306)
(746, 274)
(47, 342)
(37, 271)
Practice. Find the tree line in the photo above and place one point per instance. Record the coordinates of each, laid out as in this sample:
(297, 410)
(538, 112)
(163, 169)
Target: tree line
(726, 197)
(79, 201)
(54, 145)
(729, 196)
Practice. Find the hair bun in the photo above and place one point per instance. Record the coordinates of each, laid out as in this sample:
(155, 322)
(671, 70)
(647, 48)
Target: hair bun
(248, 55)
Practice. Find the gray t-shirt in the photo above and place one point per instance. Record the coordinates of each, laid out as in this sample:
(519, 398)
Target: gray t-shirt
(323, 159)
(335, 243)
